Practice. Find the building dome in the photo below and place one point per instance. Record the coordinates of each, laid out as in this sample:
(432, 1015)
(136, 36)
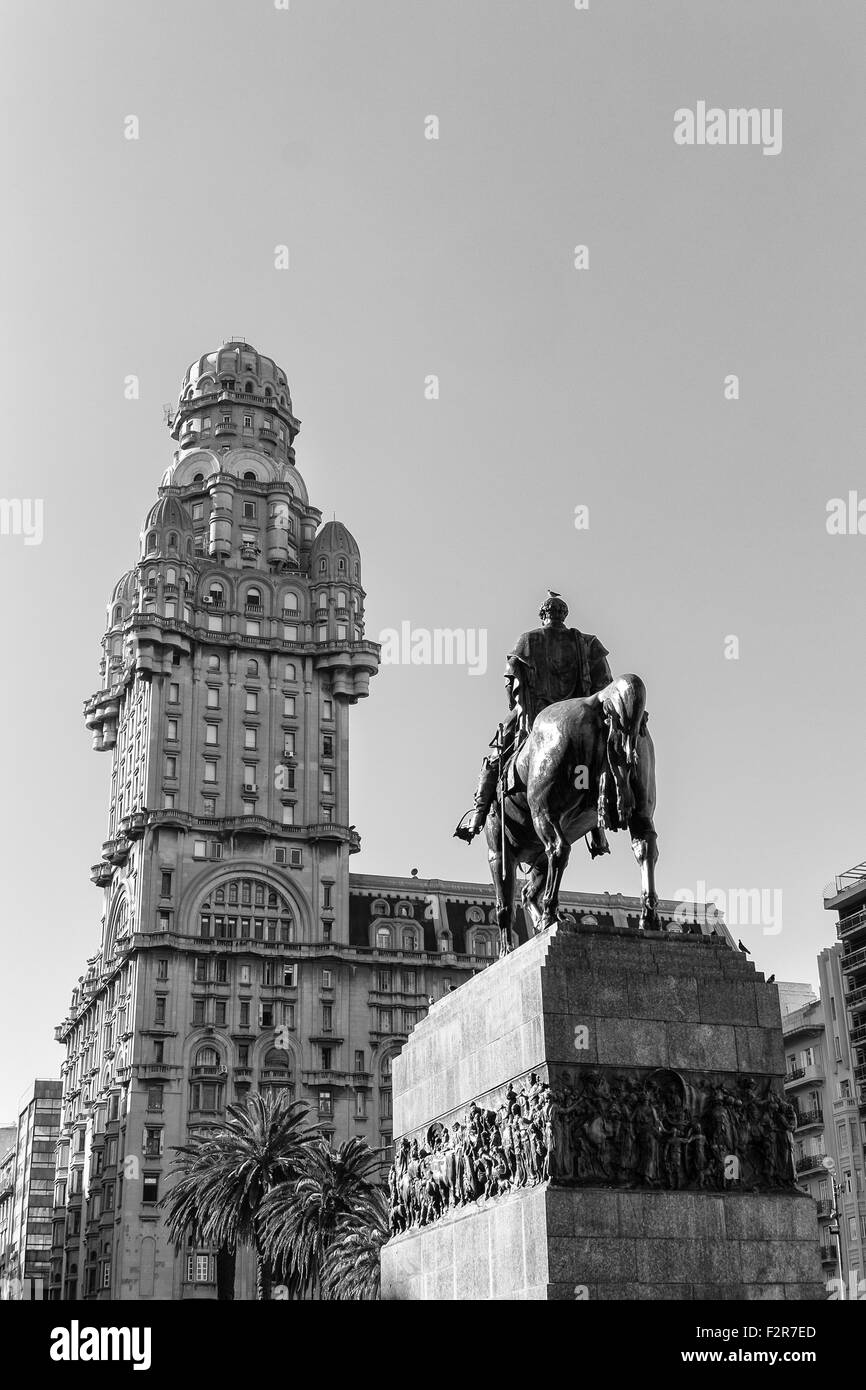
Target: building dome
(167, 529)
(236, 366)
(335, 539)
(124, 589)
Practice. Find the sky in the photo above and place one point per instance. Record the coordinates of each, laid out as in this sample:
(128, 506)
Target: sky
(558, 388)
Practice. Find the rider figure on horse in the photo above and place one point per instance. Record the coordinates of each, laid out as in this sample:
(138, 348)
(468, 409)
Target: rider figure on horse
(551, 663)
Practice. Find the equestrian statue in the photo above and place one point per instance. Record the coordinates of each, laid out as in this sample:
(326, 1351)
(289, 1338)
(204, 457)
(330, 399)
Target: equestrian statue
(574, 758)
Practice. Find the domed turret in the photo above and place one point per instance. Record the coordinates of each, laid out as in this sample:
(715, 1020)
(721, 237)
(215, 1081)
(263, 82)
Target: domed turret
(167, 531)
(335, 554)
(235, 396)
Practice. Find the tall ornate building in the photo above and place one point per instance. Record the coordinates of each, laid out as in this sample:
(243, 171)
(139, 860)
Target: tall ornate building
(237, 951)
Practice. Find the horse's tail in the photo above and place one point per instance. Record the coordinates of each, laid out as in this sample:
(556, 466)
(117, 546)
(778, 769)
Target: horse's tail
(623, 703)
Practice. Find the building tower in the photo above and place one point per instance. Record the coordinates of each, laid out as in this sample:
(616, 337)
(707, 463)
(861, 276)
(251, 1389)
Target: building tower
(233, 650)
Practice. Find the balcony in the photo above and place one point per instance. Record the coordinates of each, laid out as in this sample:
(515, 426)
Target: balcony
(847, 926)
(856, 998)
(855, 960)
(226, 427)
(828, 1255)
(268, 432)
(807, 1118)
(853, 880)
(254, 608)
(858, 1034)
(101, 873)
(804, 1076)
(810, 1163)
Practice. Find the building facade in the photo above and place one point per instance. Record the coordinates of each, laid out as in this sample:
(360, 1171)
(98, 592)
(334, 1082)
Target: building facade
(237, 951)
(27, 1193)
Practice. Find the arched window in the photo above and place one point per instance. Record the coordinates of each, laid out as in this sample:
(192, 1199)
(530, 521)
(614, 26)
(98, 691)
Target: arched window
(172, 540)
(341, 598)
(248, 387)
(171, 575)
(410, 941)
(254, 598)
(151, 541)
(244, 909)
(118, 613)
(252, 668)
(385, 1070)
(249, 477)
(483, 945)
(207, 1057)
(444, 943)
(322, 600)
(342, 566)
(323, 565)
(383, 938)
(198, 478)
(216, 595)
(290, 602)
(213, 663)
(291, 671)
(380, 908)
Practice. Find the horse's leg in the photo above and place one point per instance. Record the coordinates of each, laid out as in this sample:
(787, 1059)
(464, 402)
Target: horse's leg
(644, 840)
(502, 874)
(558, 850)
(536, 880)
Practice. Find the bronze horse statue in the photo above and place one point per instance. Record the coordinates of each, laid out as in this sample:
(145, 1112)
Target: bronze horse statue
(585, 763)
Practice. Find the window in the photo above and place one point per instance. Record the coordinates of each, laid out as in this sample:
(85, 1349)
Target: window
(162, 968)
(837, 1049)
(291, 673)
(327, 979)
(327, 709)
(208, 806)
(327, 814)
(211, 733)
(150, 1188)
(410, 985)
(249, 777)
(220, 1013)
(250, 736)
(290, 603)
(327, 781)
(159, 1009)
(327, 746)
(410, 941)
(210, 770)
(171, 767)
(383, 981)
(383, 938)
(360, 1105)
(222, 970)
(326, 1105)
(289, 705)
(289, 808)
(152, 1142)
(385, 1105)
(290, 634)
(249, 507)
(154, 1097)
(198, 1012)
(158, 1056)
(266, 1015)
(165, 885)
(213, 697)
(245, 974)
(385, 1021)
(327, 1018)
(245, 1013)
(173, 693)
(327, 1055)
(359, 1060)
(288, 743)
(252, 702)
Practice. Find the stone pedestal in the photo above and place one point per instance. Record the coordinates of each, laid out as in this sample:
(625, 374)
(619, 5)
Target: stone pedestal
(681, 1025)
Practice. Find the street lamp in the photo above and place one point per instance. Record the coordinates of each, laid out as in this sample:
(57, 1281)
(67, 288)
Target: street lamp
(835, 1227)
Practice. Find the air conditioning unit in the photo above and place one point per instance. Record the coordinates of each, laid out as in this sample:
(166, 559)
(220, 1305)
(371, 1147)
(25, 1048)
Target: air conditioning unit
(250, 787)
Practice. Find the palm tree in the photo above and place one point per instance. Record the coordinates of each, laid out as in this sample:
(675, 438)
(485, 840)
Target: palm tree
(351, 1267)
(298, 1220)
(225, 1175)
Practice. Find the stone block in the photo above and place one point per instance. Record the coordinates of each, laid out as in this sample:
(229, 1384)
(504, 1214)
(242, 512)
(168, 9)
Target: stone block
(701, 1046)
(728, 1001)
(630, 1042)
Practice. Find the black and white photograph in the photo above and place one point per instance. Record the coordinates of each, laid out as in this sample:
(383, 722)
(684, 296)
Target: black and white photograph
(432, 540)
